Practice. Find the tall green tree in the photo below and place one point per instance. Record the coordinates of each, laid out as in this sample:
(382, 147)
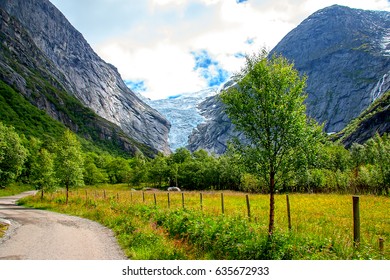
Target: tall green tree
(267, 105)
(158, 171)
(92, 173)
(12, 155)
(69, 162)
(378, 149)
(42, 171)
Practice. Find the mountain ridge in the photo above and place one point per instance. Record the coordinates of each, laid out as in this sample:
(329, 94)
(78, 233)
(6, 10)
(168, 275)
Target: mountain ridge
(82, 73)
(27, 76)
(344, 52)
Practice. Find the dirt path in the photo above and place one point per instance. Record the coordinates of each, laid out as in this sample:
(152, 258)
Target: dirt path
(43, 235)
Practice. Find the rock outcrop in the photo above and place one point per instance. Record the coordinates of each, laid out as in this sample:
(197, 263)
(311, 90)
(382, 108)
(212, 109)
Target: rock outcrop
(214, 134)
(71, 64)
(375, 119)
(345, 54)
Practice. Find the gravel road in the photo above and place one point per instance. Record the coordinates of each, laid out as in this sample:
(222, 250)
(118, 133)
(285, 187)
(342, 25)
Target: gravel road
(43, 235)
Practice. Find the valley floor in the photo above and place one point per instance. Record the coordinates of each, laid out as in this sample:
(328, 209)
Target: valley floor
(191, 225)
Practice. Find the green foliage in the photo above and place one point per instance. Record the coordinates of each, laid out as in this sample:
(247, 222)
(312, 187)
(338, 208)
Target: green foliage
(12, 155)
(377, 112)
(69, 161)
(94, 175)
(27, 119)
(42, 171)
(14, 188)
(371, 163)
(249, 183)
(158, 170)
(267, 105)
(234, 238)
(118, 170)
(139, 170)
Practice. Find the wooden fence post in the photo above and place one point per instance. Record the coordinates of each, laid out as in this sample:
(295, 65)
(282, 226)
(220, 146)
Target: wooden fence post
(222, 204)
(143, 197)
(381, 246)
(131, 196)
(201, 201)
(155, 199)
(288, 211)
(356, 221)
(104, 194)
(182, 199)
(169, 200)
(248, 206)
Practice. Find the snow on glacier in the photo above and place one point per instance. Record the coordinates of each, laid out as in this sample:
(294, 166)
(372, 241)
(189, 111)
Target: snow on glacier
(183, 114)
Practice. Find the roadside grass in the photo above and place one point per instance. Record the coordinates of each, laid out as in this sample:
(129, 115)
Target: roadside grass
(3, 229)
(13, 189)
(136, 232)
(148, 227)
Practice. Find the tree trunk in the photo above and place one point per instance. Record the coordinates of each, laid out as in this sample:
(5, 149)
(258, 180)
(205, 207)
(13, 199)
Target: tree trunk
(272, 204)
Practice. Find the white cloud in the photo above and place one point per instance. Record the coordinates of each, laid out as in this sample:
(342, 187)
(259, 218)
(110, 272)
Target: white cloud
(152, 41)
(165, 68)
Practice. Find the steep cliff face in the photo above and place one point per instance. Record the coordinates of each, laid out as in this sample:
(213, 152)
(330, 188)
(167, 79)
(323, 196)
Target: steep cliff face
(346, 55)
(28, 76)
(78, 70)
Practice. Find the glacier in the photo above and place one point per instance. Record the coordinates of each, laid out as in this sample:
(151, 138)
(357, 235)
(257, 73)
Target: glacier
(182, 112)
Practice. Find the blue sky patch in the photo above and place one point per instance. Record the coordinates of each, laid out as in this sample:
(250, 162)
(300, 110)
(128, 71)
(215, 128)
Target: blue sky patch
(202, 59)
(209, 68)
(241, 1)
(137, 86)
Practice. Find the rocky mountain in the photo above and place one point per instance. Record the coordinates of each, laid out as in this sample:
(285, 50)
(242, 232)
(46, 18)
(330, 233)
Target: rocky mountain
(213, 134)
(345, 54)
(375, 119)
(42, 50)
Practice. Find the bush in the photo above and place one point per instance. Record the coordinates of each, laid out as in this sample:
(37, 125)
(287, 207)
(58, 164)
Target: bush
(234, 238)
(249, 183)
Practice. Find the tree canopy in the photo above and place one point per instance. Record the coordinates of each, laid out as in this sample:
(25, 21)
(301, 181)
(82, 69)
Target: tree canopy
(12, 154)
(69, 161)
(267, 105)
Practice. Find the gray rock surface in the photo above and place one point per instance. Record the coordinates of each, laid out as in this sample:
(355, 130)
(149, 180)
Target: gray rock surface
(81, 72)
(214, 134)
(346, 55)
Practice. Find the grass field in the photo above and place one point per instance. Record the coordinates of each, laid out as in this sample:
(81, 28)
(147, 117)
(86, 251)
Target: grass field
(14, 189)
(148, 227)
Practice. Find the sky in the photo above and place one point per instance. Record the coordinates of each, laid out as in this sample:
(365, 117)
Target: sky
(165, 48)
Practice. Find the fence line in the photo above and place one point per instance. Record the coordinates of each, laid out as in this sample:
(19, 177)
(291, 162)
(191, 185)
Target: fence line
(355, 208)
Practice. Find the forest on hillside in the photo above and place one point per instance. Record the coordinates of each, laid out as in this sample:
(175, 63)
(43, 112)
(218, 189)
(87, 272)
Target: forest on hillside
(360, 169)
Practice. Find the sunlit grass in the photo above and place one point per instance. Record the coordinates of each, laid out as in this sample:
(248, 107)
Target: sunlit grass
(13, 189)
(3, 229)
(324, 219)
